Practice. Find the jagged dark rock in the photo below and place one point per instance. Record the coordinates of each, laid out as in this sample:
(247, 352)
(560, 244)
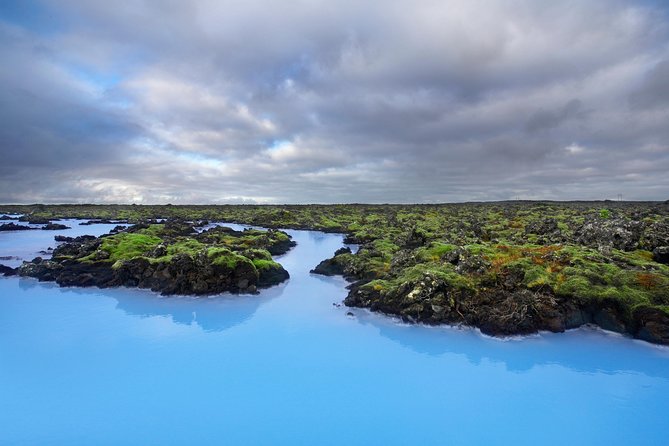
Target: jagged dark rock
(661, 254)
(14, 227)
(333, 266)
(101, 221)
(542, 227)
(7, 271)
(118, 228)
(610, 233)
(280, 247)
(54, 227)
(653, 325)
(34, 220)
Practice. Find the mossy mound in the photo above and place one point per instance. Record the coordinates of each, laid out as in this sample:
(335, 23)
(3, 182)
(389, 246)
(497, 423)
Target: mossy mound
(171, 258)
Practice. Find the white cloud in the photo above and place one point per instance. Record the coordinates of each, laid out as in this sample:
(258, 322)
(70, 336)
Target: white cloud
(574, 149)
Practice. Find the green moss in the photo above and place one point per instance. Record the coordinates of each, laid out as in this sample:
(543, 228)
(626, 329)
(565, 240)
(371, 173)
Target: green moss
(185, 246)
(537, 276)
(262, 264)
(378, 285)
(154, 230)
(257, 254)
(444, 272)
(481, 249)
(125, 246)
(435, 251)
(225, 257)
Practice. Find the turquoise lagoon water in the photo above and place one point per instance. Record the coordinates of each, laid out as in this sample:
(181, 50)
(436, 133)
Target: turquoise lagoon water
(128, 367)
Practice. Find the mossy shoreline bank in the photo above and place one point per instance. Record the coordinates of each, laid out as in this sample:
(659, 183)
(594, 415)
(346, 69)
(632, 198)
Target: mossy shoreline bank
(507, 268)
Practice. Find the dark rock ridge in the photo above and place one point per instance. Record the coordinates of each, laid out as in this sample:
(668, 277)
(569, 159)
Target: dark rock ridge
(504, 312)
(333, 266)
(14, 227)
(101, 221)
(7, 271)
(54, 227)
(36, 220)
(169, 258)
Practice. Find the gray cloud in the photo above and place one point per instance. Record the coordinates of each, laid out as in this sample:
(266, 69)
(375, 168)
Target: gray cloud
(654, 91)
(543, 119)
(212, 101)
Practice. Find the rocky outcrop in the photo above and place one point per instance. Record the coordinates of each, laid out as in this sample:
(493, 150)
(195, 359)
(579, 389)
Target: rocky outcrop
(661, 254)
(547, 229)
(183, 274)
(14, 227)
(334, 266)
(180, 264)
(652, 325)
(7, 271)
(615, 233)
(502, 312)
(54, 227)
(272, 275)
(35, 220)
(656, 235)
(98, 222)
(432, 300)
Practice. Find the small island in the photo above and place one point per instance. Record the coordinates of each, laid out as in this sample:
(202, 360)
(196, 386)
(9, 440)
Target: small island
(170, 258)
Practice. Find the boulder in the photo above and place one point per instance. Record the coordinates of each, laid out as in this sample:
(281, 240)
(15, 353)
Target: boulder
(7, 271)
(617, 233)
(653, 325)
(542, 227)
(661, 254)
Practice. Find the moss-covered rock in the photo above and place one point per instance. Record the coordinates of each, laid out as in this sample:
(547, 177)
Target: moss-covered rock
(171, 258)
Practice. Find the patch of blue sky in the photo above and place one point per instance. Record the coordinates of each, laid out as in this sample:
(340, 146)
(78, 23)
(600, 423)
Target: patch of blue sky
(201, 159)
(277, 144)
(99, 79)
(32, 15)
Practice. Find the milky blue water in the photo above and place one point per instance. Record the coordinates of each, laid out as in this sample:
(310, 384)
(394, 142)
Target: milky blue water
(128, 367)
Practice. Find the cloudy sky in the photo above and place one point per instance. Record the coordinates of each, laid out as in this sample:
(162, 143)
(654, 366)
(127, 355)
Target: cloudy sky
(216, 101)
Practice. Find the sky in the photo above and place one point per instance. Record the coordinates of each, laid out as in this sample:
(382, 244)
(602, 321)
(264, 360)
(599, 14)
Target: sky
(381, 101)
